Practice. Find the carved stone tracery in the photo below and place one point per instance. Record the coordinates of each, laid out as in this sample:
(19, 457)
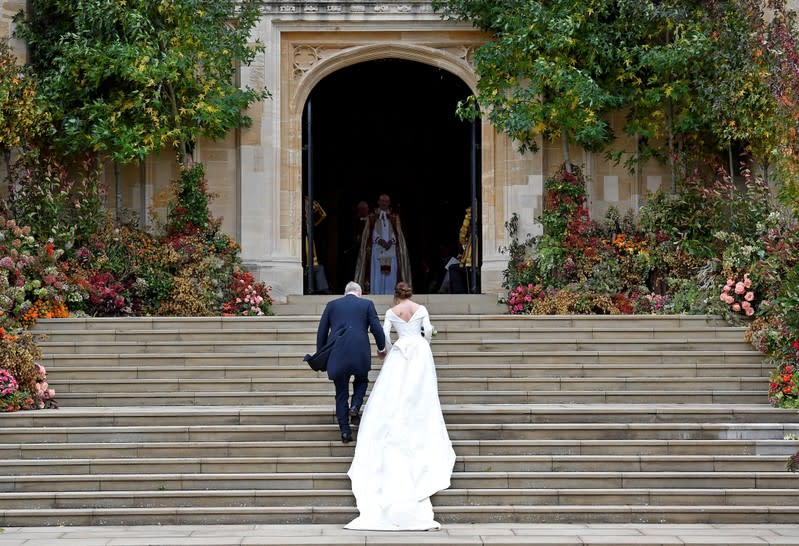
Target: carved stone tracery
(305, 56)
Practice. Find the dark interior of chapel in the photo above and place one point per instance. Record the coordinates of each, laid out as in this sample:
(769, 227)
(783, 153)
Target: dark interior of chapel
(389, 126)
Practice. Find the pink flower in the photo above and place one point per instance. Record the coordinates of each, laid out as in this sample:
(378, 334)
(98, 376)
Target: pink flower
(736, 307)
(723, 297)
(750, 312)
(749, 296)
(726, 288)
(730, 282)
(740, 288)
(746, 305)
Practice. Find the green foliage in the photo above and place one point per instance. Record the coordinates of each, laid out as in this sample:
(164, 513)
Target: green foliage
(188, 213)
(686, 297)
(690, 76)
(564, 197)
(711, 248)
(22, 117)
(60, 201)
(186, 272)
(700, 215)
(129, 78)
(519, 270)
(683, 246)
(544, 72)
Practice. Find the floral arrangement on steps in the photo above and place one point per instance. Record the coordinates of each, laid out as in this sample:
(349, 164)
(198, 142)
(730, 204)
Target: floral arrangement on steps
(23, 381)
(783, 389)
(710, 248)
(739, 295)
(88, 265)
(248, 298)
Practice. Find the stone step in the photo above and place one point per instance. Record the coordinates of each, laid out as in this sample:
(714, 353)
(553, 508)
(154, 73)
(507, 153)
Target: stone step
(305, 514)
(312, 481)
(303, 398)
(556, 418)
(455, 497)
(479, 385)
(565, 359)
(443, 303)
(333, 448)
(82, 346)
(464, 463)
(502, 416)
(321, 432)
(444, 332)
(301, 372)
(463, 320)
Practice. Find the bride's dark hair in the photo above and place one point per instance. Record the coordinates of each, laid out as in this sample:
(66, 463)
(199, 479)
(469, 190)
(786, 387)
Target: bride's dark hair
(403, 291)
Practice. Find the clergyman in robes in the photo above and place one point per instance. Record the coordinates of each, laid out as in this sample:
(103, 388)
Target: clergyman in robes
(383, 257)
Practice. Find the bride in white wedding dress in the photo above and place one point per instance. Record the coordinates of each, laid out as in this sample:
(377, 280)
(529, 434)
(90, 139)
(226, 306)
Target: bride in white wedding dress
(403, 453)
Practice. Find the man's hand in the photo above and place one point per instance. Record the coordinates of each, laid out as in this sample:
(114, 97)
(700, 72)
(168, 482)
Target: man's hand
(382, 354)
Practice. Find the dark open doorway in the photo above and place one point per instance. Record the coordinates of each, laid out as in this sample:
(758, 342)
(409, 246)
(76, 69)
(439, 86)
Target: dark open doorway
(389, 126)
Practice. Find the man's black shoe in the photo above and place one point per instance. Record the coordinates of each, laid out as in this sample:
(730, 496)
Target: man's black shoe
(355, 416)
(346, 437)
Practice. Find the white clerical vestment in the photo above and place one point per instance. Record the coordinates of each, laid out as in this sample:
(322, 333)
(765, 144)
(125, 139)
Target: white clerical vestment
(384, 261)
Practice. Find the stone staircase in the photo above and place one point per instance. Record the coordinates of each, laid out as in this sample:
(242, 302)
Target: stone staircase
(554, 419)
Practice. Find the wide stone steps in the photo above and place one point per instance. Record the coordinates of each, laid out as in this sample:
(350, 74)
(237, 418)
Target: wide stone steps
(553, 419)
(339, 480)
(566, 359)
(445, 331)
(251, 498)
(191, 370)
(335, 515)
(340, 464)
(297, 432)
(439, 346)
(477, 385)
(769, 446)
(500, 415)
(471, 326)
(188, 398)
(462, 304)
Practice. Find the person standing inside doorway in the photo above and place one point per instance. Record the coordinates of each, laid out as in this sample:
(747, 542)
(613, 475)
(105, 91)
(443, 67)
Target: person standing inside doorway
(383, 257)
(358, 220)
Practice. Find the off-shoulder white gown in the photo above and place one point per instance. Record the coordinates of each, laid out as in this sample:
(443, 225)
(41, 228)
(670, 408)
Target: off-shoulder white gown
(403, 453)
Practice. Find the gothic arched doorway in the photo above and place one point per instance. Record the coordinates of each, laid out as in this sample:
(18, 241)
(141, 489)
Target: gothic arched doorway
(389, 126)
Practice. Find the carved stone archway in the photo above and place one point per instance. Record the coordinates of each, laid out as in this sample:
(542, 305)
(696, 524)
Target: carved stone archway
(307, 58)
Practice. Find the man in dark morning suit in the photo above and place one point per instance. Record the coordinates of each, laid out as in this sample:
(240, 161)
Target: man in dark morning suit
(350, 318)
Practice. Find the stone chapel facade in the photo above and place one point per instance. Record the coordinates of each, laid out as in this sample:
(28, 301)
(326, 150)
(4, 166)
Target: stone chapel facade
(257, 173)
